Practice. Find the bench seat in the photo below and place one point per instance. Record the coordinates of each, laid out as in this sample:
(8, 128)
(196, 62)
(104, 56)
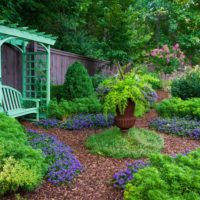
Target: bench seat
(15, 106)
(21, 112)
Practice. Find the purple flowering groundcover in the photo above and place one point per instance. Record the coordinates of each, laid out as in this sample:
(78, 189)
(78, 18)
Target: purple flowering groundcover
(80, 121)
(122, 177)
(63, 165)
(177, 126)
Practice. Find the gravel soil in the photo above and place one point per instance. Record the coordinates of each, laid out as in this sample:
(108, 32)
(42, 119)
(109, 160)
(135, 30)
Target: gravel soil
(94, 182)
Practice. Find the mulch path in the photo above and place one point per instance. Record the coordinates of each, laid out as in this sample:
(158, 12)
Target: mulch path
(94, 182)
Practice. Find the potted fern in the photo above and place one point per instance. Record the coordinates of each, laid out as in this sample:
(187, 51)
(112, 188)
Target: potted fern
(125, 93)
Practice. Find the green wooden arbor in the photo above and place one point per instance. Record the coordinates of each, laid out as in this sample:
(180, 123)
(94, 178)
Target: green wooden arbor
(35, 65)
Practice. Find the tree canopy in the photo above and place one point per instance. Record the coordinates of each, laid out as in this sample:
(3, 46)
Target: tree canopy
(115, 30)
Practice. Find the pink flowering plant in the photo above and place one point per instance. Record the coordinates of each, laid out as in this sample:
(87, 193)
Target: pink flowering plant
(166, 59)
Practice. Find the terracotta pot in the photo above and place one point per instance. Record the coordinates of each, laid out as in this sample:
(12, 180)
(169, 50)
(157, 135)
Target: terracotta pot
(127, 120)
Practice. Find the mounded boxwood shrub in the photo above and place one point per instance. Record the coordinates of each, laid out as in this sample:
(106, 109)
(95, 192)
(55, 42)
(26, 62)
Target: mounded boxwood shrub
(187, 86)
(78, 83)
(176, 107)
(167, 178)
(21, 167)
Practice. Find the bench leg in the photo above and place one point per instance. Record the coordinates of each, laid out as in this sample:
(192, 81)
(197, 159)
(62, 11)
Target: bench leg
(37, 116)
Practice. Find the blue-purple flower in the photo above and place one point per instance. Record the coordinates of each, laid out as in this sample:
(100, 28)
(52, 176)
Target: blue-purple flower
(63, 165)
(177, 126)
(122, 177)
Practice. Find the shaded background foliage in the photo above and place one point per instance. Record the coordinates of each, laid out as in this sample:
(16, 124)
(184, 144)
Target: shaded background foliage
(115, 30)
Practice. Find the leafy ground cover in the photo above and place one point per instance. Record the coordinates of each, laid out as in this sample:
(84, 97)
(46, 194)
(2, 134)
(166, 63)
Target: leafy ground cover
(136, 144)
(99, 170)
(167, 178)
(176, 107)
(77, 122)
(177, 126)
(63, 165)
(21, 166)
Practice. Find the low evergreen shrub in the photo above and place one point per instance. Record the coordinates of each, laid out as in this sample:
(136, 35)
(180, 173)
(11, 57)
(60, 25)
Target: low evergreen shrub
(176, 107)
(78, 83)
(57, 92)
(187, 86)
(65, 108)
(21, 167)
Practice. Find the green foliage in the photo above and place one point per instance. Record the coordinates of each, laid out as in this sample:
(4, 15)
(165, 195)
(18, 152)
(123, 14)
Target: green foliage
(180, 108)
(21, 167)
(77, 83)
(97, 79)
(90, 27)
(156, 85)
(136, 144)
(65, 108)
(187, 86)
(167, 178)
(133, 85)
(57, 92)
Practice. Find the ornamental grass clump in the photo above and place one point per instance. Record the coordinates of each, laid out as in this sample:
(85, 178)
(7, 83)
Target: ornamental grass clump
(63, 165)
(137, 143)
(177, 126)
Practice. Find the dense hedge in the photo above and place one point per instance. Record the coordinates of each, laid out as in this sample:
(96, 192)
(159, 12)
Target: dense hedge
(167, 178)
(21, 167)
(187, 86)
(180, 108)
(78, 83)
(57, 92)
(64, 108)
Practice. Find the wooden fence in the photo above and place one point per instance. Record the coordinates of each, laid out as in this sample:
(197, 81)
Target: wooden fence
(60, 61)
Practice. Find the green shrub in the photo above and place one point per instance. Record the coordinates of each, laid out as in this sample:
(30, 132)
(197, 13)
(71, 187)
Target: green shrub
(136, 144)
(21, 167)
(57, 92)
(97, 79)
(77, 84)
(167, 178)
(145, 70)
(65, 108)
(187, 86)
(179, 108)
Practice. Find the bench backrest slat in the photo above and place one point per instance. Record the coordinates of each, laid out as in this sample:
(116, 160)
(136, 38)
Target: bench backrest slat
(11, 98)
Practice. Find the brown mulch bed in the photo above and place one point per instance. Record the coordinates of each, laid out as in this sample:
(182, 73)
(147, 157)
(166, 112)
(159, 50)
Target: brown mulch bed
(93, 183)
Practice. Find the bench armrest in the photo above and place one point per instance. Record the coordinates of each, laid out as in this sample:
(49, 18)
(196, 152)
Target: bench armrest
(32, 100)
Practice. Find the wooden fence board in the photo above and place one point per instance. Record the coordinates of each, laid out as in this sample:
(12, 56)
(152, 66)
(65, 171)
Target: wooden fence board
(60, 61)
